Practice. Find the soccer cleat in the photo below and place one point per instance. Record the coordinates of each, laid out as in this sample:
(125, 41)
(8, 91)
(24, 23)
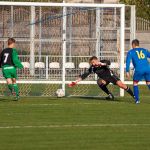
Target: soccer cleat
(110, 97)
(72, 84)
(17, 97)
(137, 102)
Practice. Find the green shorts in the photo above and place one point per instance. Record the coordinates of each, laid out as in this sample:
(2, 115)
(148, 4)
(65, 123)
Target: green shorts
(9, 72)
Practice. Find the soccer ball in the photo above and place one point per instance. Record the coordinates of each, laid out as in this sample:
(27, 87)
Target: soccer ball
(60, 93)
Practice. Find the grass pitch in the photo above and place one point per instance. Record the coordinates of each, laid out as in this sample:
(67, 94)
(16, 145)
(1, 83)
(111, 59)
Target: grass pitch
(74, 124)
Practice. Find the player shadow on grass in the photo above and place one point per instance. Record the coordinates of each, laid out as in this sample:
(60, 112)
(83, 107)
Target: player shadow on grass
(117, 99)
(99, 99)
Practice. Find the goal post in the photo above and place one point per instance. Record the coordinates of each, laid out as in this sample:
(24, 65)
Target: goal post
(122, 46)
(56, 40)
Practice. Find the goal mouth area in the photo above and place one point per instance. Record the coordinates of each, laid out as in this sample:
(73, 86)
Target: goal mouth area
(48, 89)
(45, 88)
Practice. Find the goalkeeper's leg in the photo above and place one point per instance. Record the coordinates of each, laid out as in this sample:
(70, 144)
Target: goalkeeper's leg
(126, 88)
(103, 85)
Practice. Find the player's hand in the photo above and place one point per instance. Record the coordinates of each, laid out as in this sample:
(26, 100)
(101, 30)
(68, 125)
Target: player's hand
(72, 84)
(100, 64)
(128, 75)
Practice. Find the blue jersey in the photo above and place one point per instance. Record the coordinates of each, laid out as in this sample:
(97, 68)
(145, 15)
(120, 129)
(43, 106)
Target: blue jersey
(139, 57)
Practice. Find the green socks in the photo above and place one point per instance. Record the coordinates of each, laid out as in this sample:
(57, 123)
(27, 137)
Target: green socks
(16, 89)
(10, 86)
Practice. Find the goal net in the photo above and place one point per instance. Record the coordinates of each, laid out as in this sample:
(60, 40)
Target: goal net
(56, 40)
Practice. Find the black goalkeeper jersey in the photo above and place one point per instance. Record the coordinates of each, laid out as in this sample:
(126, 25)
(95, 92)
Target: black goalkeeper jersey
(99, 70)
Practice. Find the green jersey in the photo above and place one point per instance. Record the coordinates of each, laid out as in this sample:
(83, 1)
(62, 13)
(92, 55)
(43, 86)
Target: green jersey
(9, 57)
(9, 61)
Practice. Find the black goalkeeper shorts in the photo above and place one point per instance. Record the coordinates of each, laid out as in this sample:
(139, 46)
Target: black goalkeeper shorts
(109, 77)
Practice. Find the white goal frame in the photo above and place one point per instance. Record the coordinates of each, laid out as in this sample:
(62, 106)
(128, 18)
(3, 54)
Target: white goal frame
(64, 5)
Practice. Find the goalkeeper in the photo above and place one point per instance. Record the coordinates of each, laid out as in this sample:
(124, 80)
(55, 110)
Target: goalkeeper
(9, 62)
(105, 75)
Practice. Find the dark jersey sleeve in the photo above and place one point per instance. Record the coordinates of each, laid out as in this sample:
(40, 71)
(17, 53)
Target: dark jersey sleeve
(87, 73)
(106, 61)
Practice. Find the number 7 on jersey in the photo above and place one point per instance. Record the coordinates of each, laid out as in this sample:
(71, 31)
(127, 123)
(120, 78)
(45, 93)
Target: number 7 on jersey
(6, 57)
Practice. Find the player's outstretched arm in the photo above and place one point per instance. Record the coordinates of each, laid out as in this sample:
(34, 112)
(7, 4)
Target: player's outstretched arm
(105, 63)
(73, 83)
(81, 77)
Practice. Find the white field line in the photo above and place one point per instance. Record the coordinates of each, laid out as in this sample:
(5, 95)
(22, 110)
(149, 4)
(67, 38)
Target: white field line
(92, 103)
(43, 104)
(75, 125)
(62, 104)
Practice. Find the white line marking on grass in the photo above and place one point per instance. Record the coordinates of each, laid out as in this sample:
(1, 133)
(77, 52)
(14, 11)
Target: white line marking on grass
(98, 103)
(74, 125)
(44, 104)
(65, 104)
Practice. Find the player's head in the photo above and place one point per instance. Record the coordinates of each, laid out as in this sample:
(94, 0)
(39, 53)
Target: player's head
(11, 42)
(135, 43)
(93, 60)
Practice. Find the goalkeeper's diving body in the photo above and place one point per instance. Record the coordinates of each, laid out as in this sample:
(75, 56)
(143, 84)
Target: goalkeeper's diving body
(9, 62)
(105, 76)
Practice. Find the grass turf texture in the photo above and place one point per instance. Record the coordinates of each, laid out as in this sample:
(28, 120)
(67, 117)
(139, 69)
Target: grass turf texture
(74, 124)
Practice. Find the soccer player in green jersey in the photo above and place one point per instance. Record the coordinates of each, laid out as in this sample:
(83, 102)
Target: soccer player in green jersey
(9, 61)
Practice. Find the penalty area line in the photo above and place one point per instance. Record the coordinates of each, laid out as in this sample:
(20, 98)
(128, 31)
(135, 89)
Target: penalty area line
(74, 125)
(84, 103)
(43, 104)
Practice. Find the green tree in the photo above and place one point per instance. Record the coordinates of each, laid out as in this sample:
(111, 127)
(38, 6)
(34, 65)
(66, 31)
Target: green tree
(142, 7)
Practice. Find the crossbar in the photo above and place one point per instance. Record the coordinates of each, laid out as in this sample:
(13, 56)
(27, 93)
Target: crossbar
(60, 4)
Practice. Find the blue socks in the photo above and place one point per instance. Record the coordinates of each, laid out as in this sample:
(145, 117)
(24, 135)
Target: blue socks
(136, 92)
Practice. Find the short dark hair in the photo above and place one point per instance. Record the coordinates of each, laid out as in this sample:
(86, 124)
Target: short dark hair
(11, 40)
(135, 42)
(93, 58)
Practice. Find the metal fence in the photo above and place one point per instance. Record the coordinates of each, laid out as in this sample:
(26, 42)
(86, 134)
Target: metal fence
(142, 24)
(50, 67)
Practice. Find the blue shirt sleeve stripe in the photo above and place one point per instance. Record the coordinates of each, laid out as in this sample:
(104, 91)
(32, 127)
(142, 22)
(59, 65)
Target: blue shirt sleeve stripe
(128, 60)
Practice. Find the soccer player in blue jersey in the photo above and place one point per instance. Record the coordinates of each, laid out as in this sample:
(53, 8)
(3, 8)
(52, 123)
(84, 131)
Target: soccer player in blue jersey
(139, 57)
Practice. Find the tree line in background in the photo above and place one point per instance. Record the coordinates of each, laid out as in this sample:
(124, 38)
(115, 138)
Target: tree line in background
(142, 7)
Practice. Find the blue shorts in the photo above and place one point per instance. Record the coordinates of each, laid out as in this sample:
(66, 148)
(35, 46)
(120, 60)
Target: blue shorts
(141, 75)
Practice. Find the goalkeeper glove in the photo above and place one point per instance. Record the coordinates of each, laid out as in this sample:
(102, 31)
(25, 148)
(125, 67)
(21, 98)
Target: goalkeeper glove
(72, 84)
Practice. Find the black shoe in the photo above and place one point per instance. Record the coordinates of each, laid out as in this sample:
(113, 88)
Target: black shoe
(110, 97)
